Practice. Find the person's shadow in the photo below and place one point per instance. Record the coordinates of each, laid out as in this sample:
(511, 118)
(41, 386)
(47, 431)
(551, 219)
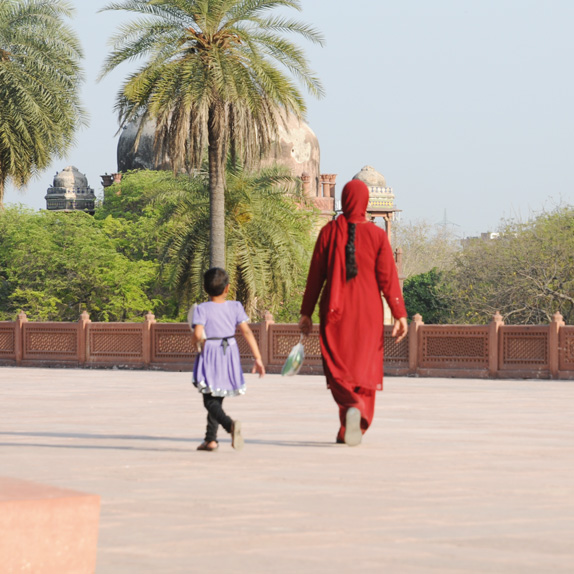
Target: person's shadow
(144, 438)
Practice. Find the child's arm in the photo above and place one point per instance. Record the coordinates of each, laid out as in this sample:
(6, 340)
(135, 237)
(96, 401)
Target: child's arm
(197, 337)
(246, 331)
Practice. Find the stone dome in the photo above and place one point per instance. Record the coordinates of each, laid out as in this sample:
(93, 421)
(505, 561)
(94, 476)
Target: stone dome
(70, 178)
(70, 192)
(371, 177)
(143, 157)
(297, 147)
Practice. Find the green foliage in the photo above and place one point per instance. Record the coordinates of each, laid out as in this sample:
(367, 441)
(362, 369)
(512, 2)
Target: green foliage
(147, 247)
(526, 273)
(55, 265)
(39, 84)
(268, 236)
(427, 295)
(217, 76)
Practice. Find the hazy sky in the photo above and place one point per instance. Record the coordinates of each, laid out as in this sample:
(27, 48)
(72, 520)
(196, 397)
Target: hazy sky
(463, 105)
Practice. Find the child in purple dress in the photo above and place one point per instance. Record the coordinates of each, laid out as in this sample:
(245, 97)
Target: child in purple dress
(217, 371)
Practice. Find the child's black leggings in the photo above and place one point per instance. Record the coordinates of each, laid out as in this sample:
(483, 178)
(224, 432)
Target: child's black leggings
(215, 416)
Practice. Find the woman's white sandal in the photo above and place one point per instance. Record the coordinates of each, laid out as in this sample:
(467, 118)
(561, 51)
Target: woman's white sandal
(353, 434)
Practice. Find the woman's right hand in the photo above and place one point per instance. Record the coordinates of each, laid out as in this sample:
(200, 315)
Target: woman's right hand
(305, 324)
(400, 329)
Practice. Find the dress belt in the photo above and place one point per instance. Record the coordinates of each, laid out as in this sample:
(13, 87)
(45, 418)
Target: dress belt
(224, 341)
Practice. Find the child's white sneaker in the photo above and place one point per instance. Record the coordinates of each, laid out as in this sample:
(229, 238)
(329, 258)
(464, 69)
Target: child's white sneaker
(236, 437)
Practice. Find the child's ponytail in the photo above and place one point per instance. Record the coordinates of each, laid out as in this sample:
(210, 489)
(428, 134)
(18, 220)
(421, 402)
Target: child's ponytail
(350, 259)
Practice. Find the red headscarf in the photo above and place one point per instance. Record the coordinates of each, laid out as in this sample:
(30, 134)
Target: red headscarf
(355, 200)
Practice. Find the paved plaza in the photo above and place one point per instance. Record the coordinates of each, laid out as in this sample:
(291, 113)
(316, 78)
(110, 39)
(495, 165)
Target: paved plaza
(455, 476)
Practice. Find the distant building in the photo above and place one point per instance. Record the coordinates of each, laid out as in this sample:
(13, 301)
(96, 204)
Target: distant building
(296, 147)
(70, 192)
(381, 197)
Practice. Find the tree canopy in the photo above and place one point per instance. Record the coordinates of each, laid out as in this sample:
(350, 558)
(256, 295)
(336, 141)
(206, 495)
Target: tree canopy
(56, 265)
(268, 234)
(217, 74)
(39, 87)
(526, 272)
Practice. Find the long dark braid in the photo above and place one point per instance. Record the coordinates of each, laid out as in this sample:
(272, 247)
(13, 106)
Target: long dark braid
(350, 259)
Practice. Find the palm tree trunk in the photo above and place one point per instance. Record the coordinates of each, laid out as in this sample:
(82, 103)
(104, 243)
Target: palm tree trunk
(2, 189)
(217, 153)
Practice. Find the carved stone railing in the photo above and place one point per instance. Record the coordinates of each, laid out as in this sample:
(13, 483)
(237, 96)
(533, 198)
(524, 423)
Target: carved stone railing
(490, 351)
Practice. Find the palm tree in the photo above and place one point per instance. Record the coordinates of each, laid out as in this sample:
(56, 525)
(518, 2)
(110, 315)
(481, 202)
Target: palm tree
(268, 235)
(39, 82)
(216, 76)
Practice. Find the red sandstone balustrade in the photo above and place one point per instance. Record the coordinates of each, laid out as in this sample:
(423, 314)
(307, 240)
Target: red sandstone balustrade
(494, 350)
(47, 530)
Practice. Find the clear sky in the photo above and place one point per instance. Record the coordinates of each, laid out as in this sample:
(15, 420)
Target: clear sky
(463, 105)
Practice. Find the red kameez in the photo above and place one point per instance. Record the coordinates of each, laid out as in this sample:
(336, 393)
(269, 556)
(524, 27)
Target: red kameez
(351, 312)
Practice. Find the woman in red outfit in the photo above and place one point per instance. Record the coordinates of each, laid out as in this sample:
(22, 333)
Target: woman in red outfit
(353, 258)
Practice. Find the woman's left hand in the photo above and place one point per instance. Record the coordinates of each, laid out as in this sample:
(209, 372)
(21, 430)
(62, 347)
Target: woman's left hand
(400, 329)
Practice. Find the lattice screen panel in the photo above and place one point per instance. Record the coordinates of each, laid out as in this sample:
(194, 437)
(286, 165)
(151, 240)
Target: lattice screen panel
(396, 355)
(244, 350)
(524, 349)
(7, 342)
(566, 349)
(116, 342)
(282, 339)
(50, 340)
(465, 347)
(172, 343)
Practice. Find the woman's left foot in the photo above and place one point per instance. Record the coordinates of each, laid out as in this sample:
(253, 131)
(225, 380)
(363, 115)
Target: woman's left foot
(236, 437)
(353, 434)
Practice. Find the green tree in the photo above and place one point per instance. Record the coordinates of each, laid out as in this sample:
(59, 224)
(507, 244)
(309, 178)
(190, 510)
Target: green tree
(39, 82)
(216, 76)
(526, 273)
(428, 295)
(268, 234)
(54, 265)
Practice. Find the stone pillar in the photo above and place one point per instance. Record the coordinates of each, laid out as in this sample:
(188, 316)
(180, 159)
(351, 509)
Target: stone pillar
(399, 262)
(325, 185)
(147, 342)
(388, 217)
(333, 178)
(268, 320)
(117, 177)
(306, 179)
(83, 337)
(493, 328)
(19, 337)
(414, 329)
(554, 344)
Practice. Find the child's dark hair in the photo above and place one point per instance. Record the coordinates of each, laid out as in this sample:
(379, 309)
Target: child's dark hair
(215, 280)
(350, 259)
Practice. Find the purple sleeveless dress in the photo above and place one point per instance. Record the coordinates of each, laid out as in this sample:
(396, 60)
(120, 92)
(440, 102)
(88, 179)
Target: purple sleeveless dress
(217, 369)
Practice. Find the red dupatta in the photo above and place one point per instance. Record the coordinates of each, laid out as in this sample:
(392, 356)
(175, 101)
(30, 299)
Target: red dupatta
(355, 200)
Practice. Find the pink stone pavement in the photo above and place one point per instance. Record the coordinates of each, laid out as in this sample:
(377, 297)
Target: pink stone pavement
(455, 476)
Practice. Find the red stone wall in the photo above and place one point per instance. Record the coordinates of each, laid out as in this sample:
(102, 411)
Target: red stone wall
(495, 350)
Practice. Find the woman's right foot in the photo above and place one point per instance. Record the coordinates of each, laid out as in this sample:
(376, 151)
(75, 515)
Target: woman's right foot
(353, 434)
(236, 437)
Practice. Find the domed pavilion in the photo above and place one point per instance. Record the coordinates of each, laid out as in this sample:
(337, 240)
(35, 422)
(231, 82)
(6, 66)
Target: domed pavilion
(296, 147)
(70, 192)
(381, 197)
